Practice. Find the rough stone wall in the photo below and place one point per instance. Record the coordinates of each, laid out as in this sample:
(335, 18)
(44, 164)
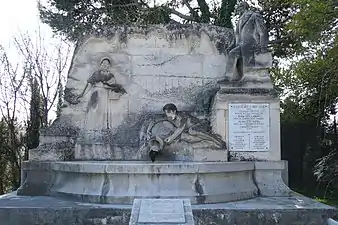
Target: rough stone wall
(155, 65)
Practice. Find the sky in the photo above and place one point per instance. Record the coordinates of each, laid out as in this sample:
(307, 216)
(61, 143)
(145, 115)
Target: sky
(21, 16)
(16, 15)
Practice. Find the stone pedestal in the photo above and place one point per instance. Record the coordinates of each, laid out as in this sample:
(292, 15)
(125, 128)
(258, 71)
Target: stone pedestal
(248, 119)
(257, 72)
(269, 179)
(56, 142)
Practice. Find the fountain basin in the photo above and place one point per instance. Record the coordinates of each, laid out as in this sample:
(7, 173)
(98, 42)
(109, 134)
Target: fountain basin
(120, 182)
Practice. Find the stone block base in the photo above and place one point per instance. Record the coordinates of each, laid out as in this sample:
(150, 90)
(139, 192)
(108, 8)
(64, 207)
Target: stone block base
(120, 182)
(246, 101)
(24, 210)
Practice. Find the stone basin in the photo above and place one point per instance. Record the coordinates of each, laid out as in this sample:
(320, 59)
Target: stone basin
(119, 182)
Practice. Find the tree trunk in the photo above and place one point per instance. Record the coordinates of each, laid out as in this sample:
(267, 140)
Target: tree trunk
(205, 13)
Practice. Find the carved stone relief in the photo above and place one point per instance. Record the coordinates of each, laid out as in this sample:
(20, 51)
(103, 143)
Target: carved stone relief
(177, 129)
(103, 77)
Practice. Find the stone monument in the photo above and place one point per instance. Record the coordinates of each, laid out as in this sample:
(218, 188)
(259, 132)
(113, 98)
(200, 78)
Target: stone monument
(249, 60)
(247, 102)
(165, 112)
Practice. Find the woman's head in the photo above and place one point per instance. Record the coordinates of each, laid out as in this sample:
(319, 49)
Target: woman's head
(105, 63)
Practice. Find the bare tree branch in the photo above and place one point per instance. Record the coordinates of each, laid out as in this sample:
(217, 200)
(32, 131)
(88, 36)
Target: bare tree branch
(191, 10)
(181, 15)
(48, 68)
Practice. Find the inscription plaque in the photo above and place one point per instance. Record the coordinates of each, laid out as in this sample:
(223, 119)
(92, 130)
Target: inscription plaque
(249, 127)
(161, 211)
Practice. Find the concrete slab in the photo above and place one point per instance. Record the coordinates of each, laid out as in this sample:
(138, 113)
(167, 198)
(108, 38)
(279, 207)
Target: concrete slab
(332, 222)
(161, 212)
(300, 210)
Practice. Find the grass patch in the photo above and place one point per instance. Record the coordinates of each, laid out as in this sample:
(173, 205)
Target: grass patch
(332, 201)
(327, 201)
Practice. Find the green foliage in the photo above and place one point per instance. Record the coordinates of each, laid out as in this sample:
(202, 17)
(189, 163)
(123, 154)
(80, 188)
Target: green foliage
(310, 83)
(315, 22)
(4, 157)
(156, 15)
(277, 14)
(224, 13)
(76, 18)
(11, 144)
(326, 172)
(310, 87)
(60, 100)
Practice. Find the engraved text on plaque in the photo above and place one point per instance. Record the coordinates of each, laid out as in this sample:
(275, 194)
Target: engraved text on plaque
(161, 210)
(249, 127)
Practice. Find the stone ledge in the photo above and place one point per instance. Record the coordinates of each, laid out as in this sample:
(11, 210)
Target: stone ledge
(248, 91)
(122, 181)
(270, 165)
(109, 181)
(139, 167)
(269, 179)
(247, 193)
(300, 210)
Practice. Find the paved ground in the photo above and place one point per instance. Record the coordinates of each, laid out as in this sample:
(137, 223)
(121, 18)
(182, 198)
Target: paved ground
(294, 202)
(295, 210)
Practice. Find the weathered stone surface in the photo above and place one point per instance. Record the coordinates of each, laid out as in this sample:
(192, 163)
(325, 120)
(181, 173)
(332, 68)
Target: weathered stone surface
(36, 180)
(122, 76)
(24, 210)
(56, 142)
(179, 135)
(161, 212)
(266, 211)
(269, 179)
(332, 222)
(220, 120)
(249, 60)
(121, 182)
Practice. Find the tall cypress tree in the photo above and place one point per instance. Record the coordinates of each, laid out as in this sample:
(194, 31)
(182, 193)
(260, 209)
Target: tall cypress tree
(60, 100)
(35, 117)
(225, 13)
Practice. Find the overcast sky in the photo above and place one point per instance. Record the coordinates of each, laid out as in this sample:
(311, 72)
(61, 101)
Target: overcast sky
(15, 15)
(20, 16)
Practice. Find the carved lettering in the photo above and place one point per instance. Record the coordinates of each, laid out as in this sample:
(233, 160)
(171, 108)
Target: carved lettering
(249, 127)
